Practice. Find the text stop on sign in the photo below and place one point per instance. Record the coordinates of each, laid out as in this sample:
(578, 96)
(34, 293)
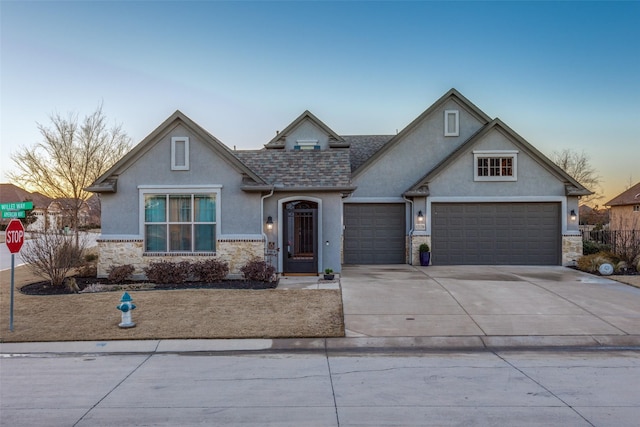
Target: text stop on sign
(14, 236)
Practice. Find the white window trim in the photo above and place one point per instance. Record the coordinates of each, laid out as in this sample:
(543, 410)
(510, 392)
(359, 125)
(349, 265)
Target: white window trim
(144, 190)
(480, 154)
(456, 114)
(174, 166)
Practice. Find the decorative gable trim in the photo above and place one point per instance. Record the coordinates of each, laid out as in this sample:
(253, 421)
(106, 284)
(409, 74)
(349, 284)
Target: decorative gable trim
(335, 140)
(451, 94)
(573, 187)
(108, 181)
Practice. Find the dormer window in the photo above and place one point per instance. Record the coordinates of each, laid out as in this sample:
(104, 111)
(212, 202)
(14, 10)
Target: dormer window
(306, 144)
(180, 153)
(451, 123)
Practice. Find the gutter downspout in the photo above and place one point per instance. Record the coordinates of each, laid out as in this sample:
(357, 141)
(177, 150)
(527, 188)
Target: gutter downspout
(410, 232)
(264, 235)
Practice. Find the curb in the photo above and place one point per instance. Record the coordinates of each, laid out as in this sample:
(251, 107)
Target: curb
(327, 345)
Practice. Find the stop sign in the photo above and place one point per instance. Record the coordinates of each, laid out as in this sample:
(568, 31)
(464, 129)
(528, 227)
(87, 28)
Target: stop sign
(14, 236)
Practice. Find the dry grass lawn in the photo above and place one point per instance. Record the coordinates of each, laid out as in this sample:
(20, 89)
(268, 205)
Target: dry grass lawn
(197, 313)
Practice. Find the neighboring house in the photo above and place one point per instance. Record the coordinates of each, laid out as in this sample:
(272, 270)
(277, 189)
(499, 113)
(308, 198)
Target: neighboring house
(624, 210)
(311, 199)
(60, 213)
(10, 193)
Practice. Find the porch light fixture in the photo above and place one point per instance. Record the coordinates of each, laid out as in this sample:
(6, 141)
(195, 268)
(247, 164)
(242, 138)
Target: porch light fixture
(269, 223)
(572, 215)
(420, 216)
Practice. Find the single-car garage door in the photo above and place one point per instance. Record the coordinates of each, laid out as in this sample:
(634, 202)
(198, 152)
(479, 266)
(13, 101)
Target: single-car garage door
(374, 233)
(495, 233)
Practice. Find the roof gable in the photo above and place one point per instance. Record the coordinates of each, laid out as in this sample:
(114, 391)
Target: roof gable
(628, 197)
(108, 181)
(573, 187)
(278, 141)
(451, 94)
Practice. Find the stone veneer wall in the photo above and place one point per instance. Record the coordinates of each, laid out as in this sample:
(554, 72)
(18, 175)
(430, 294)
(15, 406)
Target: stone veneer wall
(571, 249)
(415, 246)
(237, 252)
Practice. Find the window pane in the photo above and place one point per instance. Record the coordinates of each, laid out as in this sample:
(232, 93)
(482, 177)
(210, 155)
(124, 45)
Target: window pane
(205, 208)
(180, 237)
(205, 237)
(155, 208)
(179, 208)
(451, 123)
(180, 153)
(156, 238)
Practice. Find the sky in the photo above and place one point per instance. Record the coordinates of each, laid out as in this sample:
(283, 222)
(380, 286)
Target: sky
(563, 75)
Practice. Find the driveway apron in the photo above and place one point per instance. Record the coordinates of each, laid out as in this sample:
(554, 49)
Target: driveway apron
(437, 301)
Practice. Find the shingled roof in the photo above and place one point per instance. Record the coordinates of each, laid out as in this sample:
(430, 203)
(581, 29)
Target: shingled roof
(361, 147)
(629, 197)
(320, 170)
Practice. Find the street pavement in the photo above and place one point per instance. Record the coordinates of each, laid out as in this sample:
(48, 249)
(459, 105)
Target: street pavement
(595, 388)
(465, 345)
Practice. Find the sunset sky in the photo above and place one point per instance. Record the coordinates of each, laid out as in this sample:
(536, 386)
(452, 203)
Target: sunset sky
(561, 74)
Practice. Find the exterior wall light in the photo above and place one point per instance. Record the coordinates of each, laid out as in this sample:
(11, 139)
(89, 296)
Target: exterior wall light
(420, 216)
(573, 215)
(269, 223)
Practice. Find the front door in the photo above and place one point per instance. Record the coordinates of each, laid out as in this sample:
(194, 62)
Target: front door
(300, 237)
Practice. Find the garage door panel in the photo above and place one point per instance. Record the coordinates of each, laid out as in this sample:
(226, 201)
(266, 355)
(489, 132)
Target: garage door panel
(374, 233)
(496, 233)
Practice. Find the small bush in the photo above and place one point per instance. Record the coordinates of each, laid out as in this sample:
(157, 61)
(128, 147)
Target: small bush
(258, 270)
(210, 270)
(120, 273)
(87, 270)
(91, 257)
(591, 263)
(168, 272)
(589, 247)
(423, 248)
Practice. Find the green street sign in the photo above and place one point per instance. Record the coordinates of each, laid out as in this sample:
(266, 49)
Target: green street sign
(17, 206)
(13, 214)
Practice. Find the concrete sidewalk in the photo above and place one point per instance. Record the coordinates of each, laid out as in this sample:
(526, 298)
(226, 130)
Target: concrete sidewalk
(400, 307)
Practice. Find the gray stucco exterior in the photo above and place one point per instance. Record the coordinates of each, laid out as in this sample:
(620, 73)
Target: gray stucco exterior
(308, 162)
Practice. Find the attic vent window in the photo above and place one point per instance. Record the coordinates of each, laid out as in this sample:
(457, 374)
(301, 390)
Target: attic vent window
(498, 165)
(636, 208)
(306, 144)
(180, 153)
(451, 123)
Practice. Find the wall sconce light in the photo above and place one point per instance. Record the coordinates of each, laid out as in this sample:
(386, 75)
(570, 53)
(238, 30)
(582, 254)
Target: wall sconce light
(269, 223)
(420, 216)
(573, 215)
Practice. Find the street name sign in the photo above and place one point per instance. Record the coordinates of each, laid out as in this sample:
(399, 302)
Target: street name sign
(16, 206)
(14, 214)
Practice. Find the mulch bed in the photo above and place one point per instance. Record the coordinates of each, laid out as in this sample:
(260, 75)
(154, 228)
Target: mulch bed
(45, 288)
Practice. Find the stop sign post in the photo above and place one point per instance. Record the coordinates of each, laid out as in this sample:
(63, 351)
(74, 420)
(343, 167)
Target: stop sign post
(14, 238)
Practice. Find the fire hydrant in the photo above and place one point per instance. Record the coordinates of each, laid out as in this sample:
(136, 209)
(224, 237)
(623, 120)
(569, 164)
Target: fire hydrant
(126, 306)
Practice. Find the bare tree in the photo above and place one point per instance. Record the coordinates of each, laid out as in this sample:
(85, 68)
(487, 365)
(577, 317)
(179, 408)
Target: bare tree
(70, 157)
(578, 165)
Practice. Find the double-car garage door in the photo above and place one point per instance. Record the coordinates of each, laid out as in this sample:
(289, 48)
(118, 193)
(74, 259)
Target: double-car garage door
(461, 233)
(495, 233)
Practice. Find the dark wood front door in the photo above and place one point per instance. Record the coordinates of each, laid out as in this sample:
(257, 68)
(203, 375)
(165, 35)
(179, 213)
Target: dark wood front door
(300, 237)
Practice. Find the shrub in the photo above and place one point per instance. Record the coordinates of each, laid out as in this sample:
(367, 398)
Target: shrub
(591, 263)
(590, 247)
(120, 273)
(423, 248)
(53, 256)
(210, 270)
(168, 272)
(87, 270)
(258, 270)
(91, 257)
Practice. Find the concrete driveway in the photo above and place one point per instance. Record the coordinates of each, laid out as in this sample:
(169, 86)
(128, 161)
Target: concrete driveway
(500, 305)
